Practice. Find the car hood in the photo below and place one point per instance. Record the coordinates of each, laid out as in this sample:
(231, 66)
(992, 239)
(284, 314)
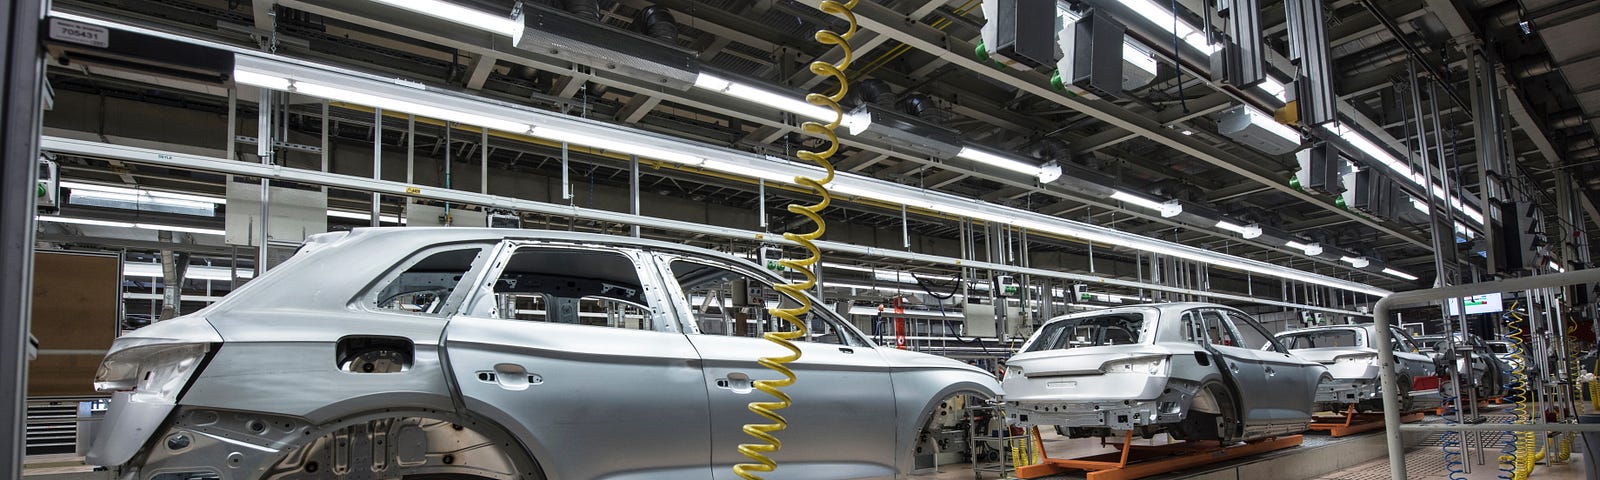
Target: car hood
(1327, 354)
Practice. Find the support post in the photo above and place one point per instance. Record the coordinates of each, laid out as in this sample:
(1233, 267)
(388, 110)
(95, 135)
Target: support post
(633, 191)
(22, 72)
(264, 151)
(377, 163)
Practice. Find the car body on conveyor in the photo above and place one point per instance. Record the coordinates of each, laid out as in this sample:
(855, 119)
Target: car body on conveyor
(1351, 355)
(1487, 374)
(1196, 371)
(505, 354)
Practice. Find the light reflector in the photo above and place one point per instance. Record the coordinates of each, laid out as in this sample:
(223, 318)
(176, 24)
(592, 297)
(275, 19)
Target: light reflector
(1247, 231)
(1358, 262)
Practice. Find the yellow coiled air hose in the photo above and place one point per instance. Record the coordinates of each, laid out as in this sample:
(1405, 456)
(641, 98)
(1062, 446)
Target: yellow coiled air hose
(796, 290)
(1564, 453)
(1525, 457)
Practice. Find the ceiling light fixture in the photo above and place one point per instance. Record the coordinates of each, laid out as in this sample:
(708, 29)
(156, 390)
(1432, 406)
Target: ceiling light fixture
(632, 148)
(1168, 209)
(1247, 231)
(1358, 262)
(505, 25)
(1312, 249)
(264, 80)
(1400, 274)
(787, 102)
(996, 160)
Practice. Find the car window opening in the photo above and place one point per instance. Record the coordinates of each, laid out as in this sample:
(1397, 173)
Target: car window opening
(1092, 331)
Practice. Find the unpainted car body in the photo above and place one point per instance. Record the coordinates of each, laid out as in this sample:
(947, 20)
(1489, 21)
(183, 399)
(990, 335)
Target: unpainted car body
(504, 354)
(1194, 370)
(1487, 373)
(1351, 355)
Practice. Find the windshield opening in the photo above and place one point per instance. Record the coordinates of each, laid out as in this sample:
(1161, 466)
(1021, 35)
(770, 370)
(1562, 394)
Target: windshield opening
(1321, 339)
(1093, 331)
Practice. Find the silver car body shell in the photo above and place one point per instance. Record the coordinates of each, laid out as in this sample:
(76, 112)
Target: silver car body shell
(276, 338)
(1067, 387)
(1357, 381)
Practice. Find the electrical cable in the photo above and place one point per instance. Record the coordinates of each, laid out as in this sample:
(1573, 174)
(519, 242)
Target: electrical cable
(796, 289)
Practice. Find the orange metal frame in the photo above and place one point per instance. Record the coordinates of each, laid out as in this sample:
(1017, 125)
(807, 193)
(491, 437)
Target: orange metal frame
(1139, 461)
(1354, 423)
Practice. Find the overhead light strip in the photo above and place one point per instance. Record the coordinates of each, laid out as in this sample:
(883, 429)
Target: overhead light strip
(502, 24)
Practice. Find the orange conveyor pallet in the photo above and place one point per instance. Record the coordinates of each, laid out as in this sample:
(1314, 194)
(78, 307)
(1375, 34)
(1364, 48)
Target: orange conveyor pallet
(1138, 461)
(1353, 423)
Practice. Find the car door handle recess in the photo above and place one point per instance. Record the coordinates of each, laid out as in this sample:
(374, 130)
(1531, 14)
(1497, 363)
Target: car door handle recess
(847, 350)
(510, 377)
(736, 382)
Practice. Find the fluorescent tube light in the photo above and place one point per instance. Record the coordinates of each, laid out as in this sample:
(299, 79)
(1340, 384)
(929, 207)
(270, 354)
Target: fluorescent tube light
(146, 226)
(84, 221)
(1170, 208)
(1312, 249)
(175, 228)
(1556, 267)
(1358, 262)
(194, 272)
(504, 25)
(617, 146)
(334, 93)
(983, 157)
(1163, 19)
(1266, 122)
(153, 194)
(365, 216)
(1248, 231)
(1400, 274)
(788, 102)
(747, 171)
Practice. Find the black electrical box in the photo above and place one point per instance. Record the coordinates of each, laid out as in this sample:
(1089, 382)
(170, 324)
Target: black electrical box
(1093, 49)
(1322, 169)
(1027, 32)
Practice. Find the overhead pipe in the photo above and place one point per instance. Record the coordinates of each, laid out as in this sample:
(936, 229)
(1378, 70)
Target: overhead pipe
(588, 9)
(1394, 29)
(1566, 119)
(657, 22)
(1533, 67)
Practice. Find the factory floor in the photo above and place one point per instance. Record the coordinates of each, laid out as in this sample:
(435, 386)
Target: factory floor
(1319, 457)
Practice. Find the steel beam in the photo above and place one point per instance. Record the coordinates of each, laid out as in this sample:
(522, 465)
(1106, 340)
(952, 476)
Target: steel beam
(928, 39)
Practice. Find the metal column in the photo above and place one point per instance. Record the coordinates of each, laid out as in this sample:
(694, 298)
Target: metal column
(22, 73)
(264, 142)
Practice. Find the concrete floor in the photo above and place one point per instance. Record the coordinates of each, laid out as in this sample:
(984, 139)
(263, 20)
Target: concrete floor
(1357, 457)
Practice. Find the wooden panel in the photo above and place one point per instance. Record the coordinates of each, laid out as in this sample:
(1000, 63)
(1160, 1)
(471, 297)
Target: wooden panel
(75, 299)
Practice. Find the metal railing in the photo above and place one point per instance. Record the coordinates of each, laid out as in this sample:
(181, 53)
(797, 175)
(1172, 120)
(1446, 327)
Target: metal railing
(1391, 399)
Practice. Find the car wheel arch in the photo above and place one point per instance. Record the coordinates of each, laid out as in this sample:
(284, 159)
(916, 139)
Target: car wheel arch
(528, 464)
(906, 438)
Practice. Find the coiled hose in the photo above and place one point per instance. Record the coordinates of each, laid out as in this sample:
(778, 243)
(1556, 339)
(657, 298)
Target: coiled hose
(1564, 450)
(1511, 451)
(1525, 456)
(1448, 440)
(796, 290)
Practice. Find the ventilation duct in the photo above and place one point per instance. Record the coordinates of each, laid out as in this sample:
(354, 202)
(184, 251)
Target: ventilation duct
(657, 22)
(586, 9)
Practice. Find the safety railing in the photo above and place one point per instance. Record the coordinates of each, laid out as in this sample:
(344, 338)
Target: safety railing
(1391, 399)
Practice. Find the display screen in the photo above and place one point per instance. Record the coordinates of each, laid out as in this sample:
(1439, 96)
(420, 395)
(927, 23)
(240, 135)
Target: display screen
(1488, 303)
